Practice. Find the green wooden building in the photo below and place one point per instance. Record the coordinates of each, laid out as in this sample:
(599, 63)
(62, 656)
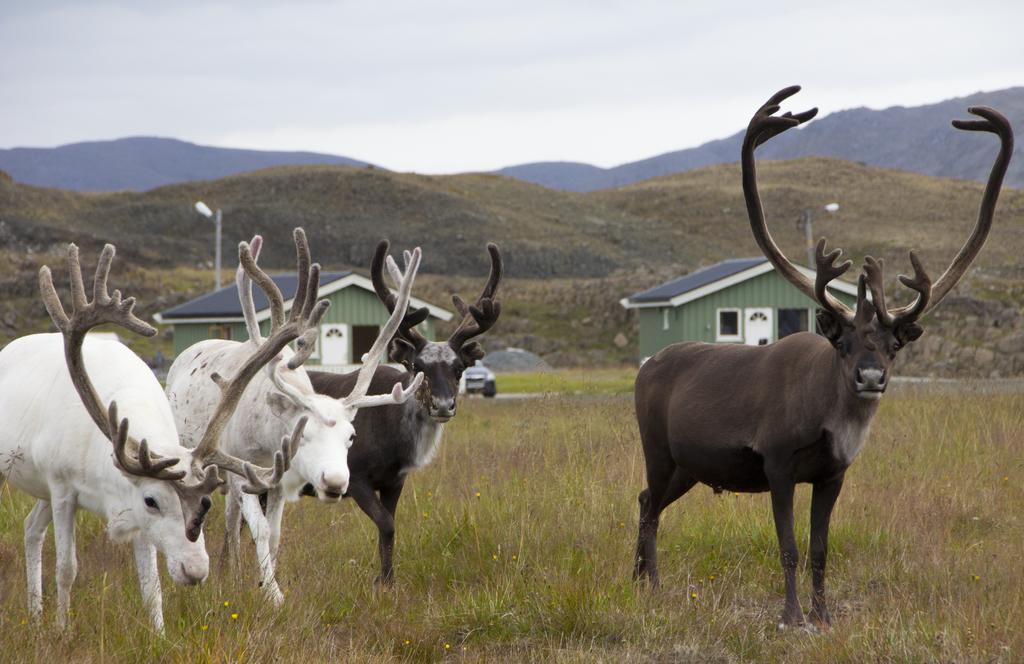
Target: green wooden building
(741, 300)
(347, 330)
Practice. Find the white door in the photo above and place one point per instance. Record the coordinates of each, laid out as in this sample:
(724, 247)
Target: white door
(758, 326)
(334, 343)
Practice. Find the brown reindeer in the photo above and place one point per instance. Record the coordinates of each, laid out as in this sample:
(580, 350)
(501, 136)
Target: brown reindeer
(764, 418)
(393, 441)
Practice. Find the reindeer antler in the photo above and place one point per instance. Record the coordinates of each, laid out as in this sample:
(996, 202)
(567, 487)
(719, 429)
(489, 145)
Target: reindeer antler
(874, 270)
(304, 319)
(407, 328)
(764, 126)
(827, 270)
(357, 398)
(85, 315)
(479, 317)
(993, 122)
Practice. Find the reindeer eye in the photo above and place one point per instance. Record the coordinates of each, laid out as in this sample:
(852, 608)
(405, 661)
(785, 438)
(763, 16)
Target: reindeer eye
(151, 503)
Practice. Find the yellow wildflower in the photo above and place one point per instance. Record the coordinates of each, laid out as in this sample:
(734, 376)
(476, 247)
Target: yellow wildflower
(234, 616)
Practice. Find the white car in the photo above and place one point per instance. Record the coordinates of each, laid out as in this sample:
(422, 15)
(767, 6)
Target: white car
(478, 379)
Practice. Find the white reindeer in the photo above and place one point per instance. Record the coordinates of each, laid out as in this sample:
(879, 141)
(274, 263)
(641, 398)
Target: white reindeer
(279, 397)
(153, 492)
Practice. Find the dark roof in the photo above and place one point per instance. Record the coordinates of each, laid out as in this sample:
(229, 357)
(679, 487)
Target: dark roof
(694, 280)
(224, 303)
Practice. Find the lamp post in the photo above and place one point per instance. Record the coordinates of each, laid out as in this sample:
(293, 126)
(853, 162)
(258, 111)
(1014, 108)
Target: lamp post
(203, 209)
(804, 223)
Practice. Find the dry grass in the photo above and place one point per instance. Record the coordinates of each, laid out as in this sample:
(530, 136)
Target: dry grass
(925, 561)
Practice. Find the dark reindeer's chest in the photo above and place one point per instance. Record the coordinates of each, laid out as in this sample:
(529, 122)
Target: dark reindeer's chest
(742, 468)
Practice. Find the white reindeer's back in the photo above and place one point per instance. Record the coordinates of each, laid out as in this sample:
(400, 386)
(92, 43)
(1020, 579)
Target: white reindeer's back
(193, 397)
(46, 430)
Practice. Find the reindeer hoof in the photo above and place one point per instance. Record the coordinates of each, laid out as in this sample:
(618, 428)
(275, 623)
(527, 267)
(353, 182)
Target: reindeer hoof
(820, 619)
(384, 581)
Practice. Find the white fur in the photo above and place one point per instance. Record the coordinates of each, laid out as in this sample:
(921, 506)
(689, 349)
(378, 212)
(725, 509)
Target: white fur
(51, 449)
(426, 445)
(848, 437)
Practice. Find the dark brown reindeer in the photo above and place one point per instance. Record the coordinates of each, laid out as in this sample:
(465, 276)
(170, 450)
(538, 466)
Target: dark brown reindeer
(765, 418)
(392, 441)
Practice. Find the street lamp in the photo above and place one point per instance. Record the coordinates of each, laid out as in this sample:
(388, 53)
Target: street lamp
(804, 224)
(203, 209)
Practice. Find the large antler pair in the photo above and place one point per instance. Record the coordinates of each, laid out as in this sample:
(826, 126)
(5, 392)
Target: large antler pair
(131, 456)
(765, 125)
(302, 324)
(308, 323)
(358, 397)
(476, 318)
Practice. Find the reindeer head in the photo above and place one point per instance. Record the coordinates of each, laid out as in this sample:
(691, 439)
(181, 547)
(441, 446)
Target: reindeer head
(162, 493)
(868, 338)
(441, 362)
(320, 465)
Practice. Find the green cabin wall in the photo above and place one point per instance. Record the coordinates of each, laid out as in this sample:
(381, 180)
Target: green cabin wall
(696, 320)
(352, 305)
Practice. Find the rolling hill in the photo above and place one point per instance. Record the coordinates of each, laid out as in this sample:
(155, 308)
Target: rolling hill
(917, 139)
(570, 256)
(143, 162)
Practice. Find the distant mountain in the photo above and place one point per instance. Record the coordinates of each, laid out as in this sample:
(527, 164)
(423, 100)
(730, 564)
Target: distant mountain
(917, 139)
(142, 163)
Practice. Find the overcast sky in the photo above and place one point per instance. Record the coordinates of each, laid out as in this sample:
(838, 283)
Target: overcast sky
(444, 86)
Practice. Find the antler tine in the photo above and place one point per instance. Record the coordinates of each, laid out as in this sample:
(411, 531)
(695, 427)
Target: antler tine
(398, 395)
(247, 261)
(84, 316)
(145, 465)
(244, 284)
(763, 126)
(486, 311)
(376, 353)
(827, 270)
(874, 273)
(993, 122)
(920, 282)
(407, 329)
(303, 285)
(207, 452)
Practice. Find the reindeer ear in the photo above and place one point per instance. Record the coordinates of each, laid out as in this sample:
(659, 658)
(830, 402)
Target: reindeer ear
(281, 406)
(403, 352)
(907, 333)
(472, 351)
(830, 326)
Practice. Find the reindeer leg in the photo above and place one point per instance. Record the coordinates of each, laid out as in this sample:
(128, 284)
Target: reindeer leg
(229, 556)
(389, 498)
(367, 499)
(653, 501)
(274, 510)
(782, 490)
(260, 529)
(822, 501)
(36, 523)
(149, 582)
(63, 509)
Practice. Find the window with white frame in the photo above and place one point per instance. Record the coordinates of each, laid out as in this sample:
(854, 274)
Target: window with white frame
(664, 318)
(728, 325)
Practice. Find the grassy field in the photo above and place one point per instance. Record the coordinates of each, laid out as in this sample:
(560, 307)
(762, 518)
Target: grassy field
(569, 381)
(516, 545)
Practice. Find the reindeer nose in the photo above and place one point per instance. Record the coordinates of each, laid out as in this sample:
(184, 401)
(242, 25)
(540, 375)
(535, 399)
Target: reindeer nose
(334, 485)
(443, 407)
(870, 380)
